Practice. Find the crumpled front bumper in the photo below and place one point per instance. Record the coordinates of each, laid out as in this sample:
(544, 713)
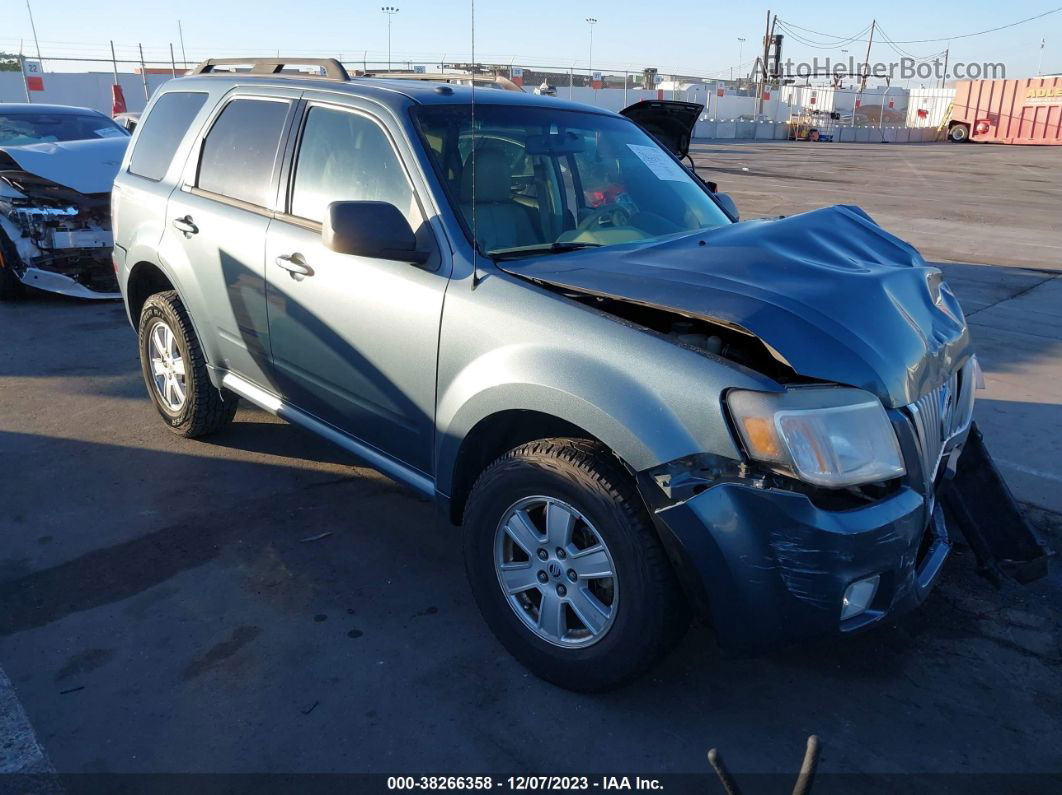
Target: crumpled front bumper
(64, 285)
(769, 567)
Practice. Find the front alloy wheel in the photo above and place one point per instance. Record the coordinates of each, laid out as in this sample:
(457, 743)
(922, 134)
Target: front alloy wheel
(556, 572)
(566, 567)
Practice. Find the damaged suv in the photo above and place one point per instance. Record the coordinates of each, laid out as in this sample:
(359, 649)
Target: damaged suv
(57, 164)
(528, 310)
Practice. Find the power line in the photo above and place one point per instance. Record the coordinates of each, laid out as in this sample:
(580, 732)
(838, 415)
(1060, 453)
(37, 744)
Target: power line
(842, 41)
(944, 38)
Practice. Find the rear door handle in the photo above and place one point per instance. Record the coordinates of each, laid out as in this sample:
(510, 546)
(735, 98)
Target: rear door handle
(295, 264)
(185, 225)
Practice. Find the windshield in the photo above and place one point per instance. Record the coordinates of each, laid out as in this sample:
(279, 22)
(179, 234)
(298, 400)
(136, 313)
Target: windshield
(21, 129)
(544, 177)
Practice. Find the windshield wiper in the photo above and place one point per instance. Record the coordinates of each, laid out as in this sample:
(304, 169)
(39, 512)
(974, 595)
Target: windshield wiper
(545, 248)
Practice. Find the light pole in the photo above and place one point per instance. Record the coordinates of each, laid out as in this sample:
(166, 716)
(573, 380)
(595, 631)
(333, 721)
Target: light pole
(741, 48)
(590, 61)
(390, 11)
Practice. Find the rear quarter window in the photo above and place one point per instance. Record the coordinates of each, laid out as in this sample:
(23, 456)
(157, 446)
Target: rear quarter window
(162, 131)
(240, 151)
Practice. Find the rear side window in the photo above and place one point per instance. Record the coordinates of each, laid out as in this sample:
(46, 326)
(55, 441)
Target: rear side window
(240, 151)
(162, 132)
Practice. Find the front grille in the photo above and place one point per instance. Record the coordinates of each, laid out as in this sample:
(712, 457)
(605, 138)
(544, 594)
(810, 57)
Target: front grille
(941, 415)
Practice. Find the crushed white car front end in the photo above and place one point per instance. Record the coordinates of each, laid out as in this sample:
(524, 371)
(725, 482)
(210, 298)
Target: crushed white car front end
(55, 215)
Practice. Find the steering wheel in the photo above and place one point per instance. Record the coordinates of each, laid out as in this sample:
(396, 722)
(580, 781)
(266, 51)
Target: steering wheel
(614, 214)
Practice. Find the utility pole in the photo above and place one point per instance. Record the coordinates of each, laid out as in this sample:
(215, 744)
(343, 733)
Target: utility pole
(741, 49)
(391, 11)
(590, 59)
(761, 78)
(761, 86)
(1040, 60)
(36, 43)
(184, 55)
(22, 67)
(143, 72)
(114, 63)
(944, 77)
(866, 61)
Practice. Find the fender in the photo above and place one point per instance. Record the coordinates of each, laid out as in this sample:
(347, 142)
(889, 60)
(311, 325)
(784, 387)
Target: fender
(642, 425)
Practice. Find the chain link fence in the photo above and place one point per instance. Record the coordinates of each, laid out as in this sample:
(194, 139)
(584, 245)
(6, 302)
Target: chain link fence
(733, 109)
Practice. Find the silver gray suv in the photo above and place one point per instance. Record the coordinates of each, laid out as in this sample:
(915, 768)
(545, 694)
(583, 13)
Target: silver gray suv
(532, 312)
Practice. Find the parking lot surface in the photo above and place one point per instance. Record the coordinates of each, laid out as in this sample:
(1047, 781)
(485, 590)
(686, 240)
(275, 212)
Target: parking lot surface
(258, 602)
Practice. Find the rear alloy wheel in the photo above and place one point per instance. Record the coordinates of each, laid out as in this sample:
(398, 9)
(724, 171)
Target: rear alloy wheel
(175, 370)
(566, 567)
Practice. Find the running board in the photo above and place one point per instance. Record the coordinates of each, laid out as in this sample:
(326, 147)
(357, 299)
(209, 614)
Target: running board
(375, 459)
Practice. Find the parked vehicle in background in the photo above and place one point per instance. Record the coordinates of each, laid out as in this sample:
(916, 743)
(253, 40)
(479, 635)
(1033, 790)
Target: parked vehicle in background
(1007, 111)
(57, 164)
(633, 405)
(127, 120)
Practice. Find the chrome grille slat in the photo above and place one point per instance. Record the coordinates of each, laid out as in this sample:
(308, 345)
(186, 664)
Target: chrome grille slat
(939, 416)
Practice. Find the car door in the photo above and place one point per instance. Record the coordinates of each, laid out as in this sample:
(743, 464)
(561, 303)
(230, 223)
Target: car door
(354, 339)
(216, 225)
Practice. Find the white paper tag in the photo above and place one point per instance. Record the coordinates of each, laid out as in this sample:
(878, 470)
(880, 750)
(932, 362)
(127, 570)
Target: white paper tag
(659, 163)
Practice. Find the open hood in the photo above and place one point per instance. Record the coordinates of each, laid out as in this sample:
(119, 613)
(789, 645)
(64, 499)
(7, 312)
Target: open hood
(84, 166)
(670, 121)
(832, 293)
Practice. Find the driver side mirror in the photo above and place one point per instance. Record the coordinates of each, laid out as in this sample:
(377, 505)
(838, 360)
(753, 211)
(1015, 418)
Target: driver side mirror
(728, 204)
(371, 229)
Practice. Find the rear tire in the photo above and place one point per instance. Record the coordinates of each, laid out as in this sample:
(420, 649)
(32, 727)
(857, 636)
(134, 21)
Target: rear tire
(646, 611)
(175, 372)
(11, 287)
(959, 133)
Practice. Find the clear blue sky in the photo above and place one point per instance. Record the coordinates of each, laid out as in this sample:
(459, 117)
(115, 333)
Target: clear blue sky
(680, 35)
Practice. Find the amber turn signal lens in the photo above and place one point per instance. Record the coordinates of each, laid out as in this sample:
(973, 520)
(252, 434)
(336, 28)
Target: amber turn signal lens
(761, 438)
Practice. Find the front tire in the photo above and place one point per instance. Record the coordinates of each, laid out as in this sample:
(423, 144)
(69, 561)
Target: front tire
(566, 567)
(175, 372)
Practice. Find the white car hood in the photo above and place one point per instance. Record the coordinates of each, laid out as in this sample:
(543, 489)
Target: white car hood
(84, 166)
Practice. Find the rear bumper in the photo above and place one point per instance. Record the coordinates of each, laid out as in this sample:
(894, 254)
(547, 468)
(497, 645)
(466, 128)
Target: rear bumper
(768, 567)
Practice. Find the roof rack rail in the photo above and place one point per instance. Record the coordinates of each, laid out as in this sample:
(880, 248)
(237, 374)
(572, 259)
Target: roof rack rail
(444, 77)
(274, 67)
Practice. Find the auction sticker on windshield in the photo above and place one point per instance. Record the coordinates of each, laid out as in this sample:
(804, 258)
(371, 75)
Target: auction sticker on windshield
(659, 163)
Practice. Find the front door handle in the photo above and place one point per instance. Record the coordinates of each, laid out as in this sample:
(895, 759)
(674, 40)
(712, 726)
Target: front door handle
(185, 225)
(295, 264)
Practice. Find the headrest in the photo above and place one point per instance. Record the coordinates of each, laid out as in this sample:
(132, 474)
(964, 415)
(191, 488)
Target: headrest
(493, 178)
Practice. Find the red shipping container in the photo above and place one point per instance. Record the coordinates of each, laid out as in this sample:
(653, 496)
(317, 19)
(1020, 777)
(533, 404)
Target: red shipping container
(1010, 111)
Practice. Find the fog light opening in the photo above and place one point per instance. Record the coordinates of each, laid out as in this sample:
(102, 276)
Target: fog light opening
(858, 596)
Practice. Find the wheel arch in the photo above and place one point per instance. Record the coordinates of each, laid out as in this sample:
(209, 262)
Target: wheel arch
(145, 279)
(493, 436)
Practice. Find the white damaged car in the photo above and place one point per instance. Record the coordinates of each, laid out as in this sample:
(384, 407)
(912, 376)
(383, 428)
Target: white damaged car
(57, 164)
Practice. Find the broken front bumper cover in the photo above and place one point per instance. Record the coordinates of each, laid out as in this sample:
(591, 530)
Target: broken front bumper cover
(769, 567)
(64, 285)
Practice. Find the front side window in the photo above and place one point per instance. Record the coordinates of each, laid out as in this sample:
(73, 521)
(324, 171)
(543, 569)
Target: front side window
(345, 156)
(240, 151)
(542, 176)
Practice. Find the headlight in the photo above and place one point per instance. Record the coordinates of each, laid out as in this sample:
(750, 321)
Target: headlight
(828, 436)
